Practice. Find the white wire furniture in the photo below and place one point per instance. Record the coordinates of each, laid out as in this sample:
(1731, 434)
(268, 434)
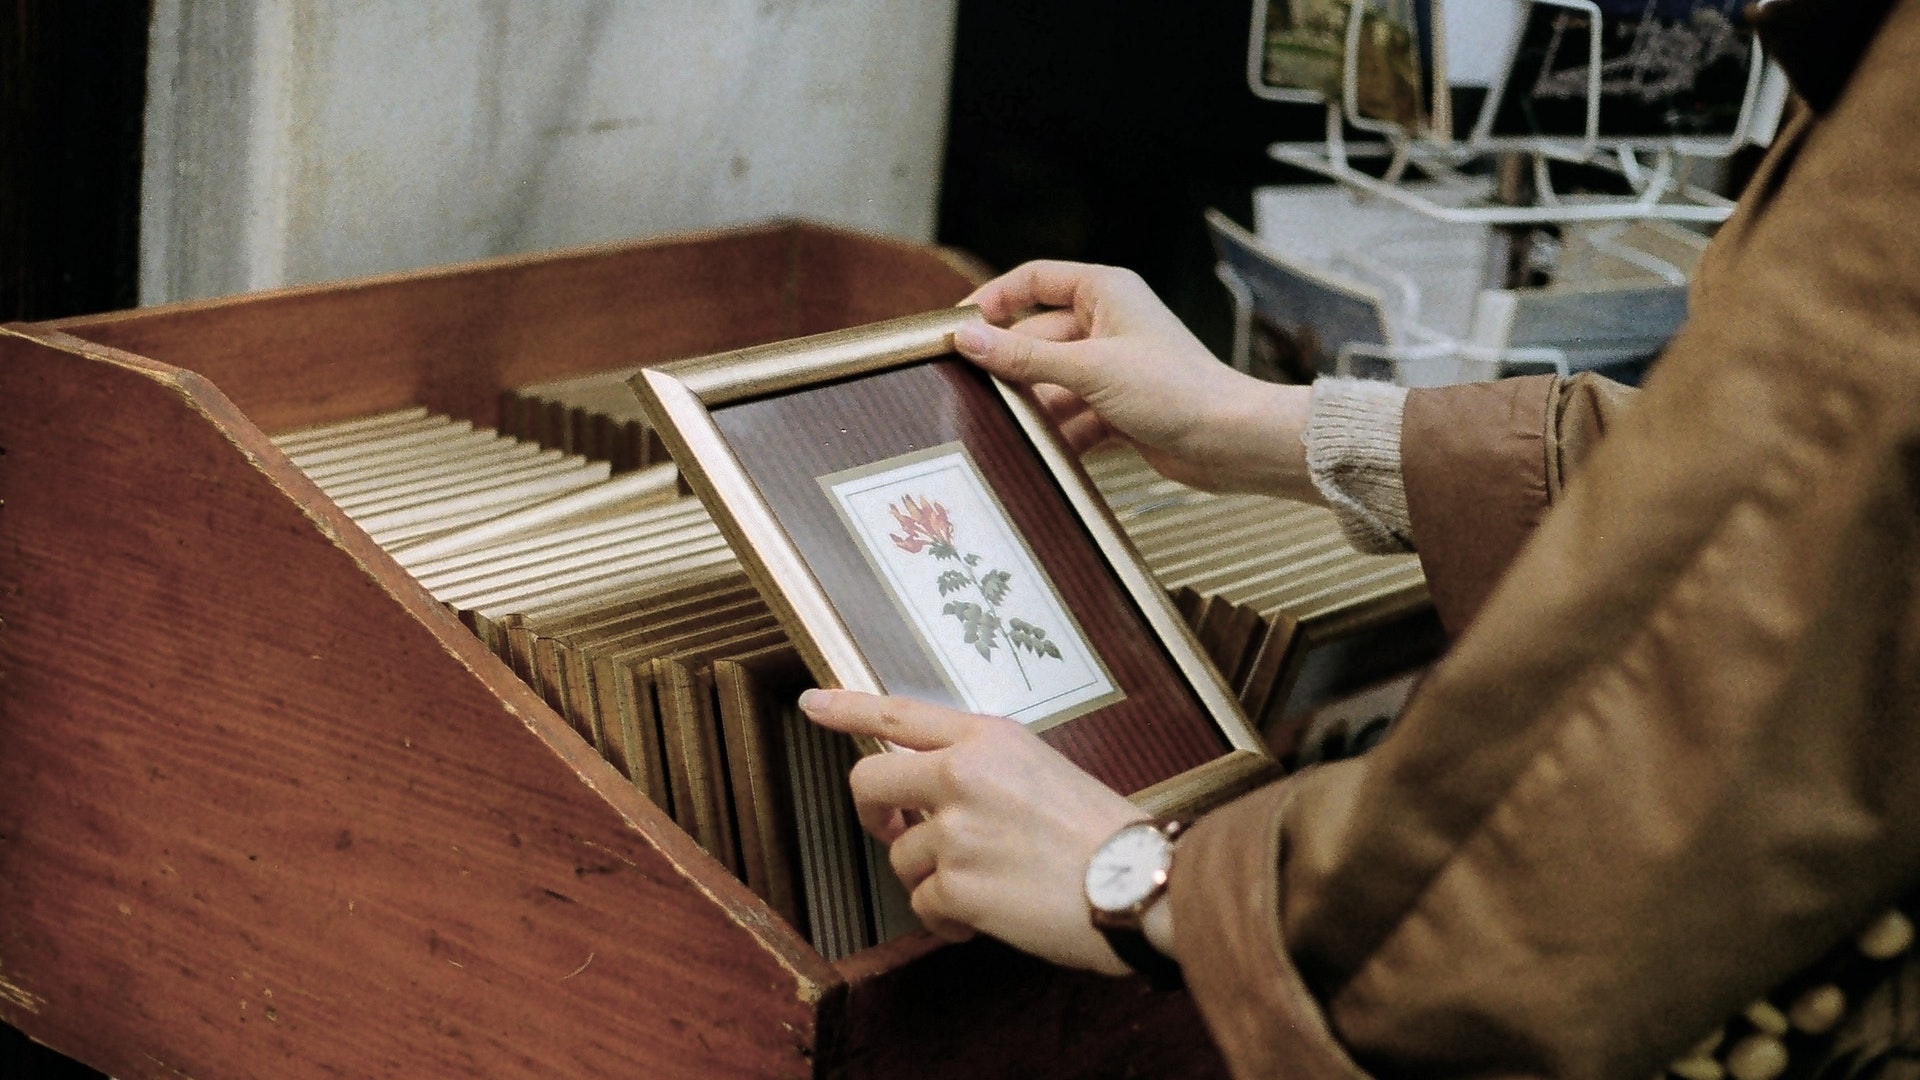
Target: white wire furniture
(1374, 289)
(1657, 171)
(1350, 317)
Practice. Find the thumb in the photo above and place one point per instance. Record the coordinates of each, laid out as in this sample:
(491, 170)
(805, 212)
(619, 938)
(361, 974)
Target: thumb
(1021, 358)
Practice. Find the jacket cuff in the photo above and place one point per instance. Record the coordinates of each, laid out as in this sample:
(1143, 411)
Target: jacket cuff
(1475, 476)
(1353, 458)
(1225, 892)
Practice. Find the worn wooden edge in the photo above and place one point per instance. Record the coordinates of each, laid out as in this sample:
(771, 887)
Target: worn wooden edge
(79, 325)
(453, 338)
(828, 295)
(814, 979)
(805, 237)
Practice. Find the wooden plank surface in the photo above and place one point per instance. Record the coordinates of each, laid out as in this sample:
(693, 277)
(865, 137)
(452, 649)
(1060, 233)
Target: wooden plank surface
(844, 279)
(267, 811)
(452, 338)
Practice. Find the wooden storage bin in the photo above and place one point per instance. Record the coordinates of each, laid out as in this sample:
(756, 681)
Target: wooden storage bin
(267, 810)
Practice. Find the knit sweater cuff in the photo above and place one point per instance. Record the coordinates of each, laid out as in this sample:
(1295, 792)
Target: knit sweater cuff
(1353, 457)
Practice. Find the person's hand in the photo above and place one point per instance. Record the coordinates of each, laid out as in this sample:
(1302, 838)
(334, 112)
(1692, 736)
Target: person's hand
(990, 829)
(1106, 358)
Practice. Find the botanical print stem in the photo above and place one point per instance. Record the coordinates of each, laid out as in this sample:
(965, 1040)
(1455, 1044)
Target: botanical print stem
(926, 526)
(967, 584)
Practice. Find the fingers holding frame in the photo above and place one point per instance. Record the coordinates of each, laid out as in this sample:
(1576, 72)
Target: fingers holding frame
(931, 905)
(989, 828)
(904, 722)
(1057, 324)
(1050, 283)
(914, 855)
(889, 788)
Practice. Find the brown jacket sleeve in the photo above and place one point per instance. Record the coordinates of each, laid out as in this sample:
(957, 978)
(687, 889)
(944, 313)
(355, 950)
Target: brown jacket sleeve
(1482, 462)
(1677, 752)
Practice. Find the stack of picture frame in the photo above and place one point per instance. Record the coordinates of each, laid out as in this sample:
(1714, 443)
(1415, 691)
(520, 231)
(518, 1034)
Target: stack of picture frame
(260, 789)
(408, 475)
(595, 415)
(1282, 605)
(618, 601)
(657, 633)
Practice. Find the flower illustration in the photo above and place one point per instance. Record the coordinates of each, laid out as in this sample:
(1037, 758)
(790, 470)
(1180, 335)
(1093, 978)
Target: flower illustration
(926, 526)
(923, 523)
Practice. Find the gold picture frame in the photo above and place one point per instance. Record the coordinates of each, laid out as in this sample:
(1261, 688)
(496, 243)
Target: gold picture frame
(756, 431)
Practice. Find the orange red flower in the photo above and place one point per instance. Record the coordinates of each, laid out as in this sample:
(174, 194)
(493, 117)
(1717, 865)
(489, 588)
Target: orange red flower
(922, 523)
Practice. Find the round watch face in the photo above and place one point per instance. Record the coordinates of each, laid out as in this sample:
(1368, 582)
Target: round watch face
(1128, 868)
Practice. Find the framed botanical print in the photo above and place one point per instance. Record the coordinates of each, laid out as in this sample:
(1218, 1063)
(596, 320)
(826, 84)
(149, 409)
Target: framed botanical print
(918, 529)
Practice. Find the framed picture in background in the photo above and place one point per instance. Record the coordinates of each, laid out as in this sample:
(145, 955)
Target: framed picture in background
(919, 529)
(1297, 52)
(1670, 73)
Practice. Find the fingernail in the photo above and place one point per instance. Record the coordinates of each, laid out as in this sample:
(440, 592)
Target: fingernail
(812, 700)
(971, 340)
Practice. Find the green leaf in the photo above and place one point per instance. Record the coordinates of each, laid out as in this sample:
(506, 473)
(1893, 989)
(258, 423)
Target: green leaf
(943, 550)
(952, 581)
(973, 560)
(979, 627)
(1025, 635)
(994, 586)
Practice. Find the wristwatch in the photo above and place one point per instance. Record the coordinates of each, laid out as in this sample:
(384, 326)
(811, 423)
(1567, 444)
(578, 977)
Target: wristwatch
(1125, 877)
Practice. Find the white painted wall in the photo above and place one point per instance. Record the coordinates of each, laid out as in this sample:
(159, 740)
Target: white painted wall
(301, 140)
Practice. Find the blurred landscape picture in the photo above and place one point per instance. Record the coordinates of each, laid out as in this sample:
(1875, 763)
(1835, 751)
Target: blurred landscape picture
(1306, 45)
(1668, 69)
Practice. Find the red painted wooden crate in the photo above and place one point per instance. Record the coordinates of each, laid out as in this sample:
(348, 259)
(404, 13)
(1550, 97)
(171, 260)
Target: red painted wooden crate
(267, 810)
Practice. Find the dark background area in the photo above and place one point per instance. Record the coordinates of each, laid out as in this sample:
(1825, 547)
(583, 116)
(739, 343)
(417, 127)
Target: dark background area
(1081, 129)
(73, 84)
(1099, 130)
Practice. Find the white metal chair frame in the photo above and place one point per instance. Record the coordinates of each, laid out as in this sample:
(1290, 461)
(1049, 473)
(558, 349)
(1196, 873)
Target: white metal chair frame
(1427, 348)
(1661, 186)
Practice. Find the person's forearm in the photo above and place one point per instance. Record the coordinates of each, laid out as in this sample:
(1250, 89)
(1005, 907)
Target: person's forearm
(1254, 444)
(1335, 444)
